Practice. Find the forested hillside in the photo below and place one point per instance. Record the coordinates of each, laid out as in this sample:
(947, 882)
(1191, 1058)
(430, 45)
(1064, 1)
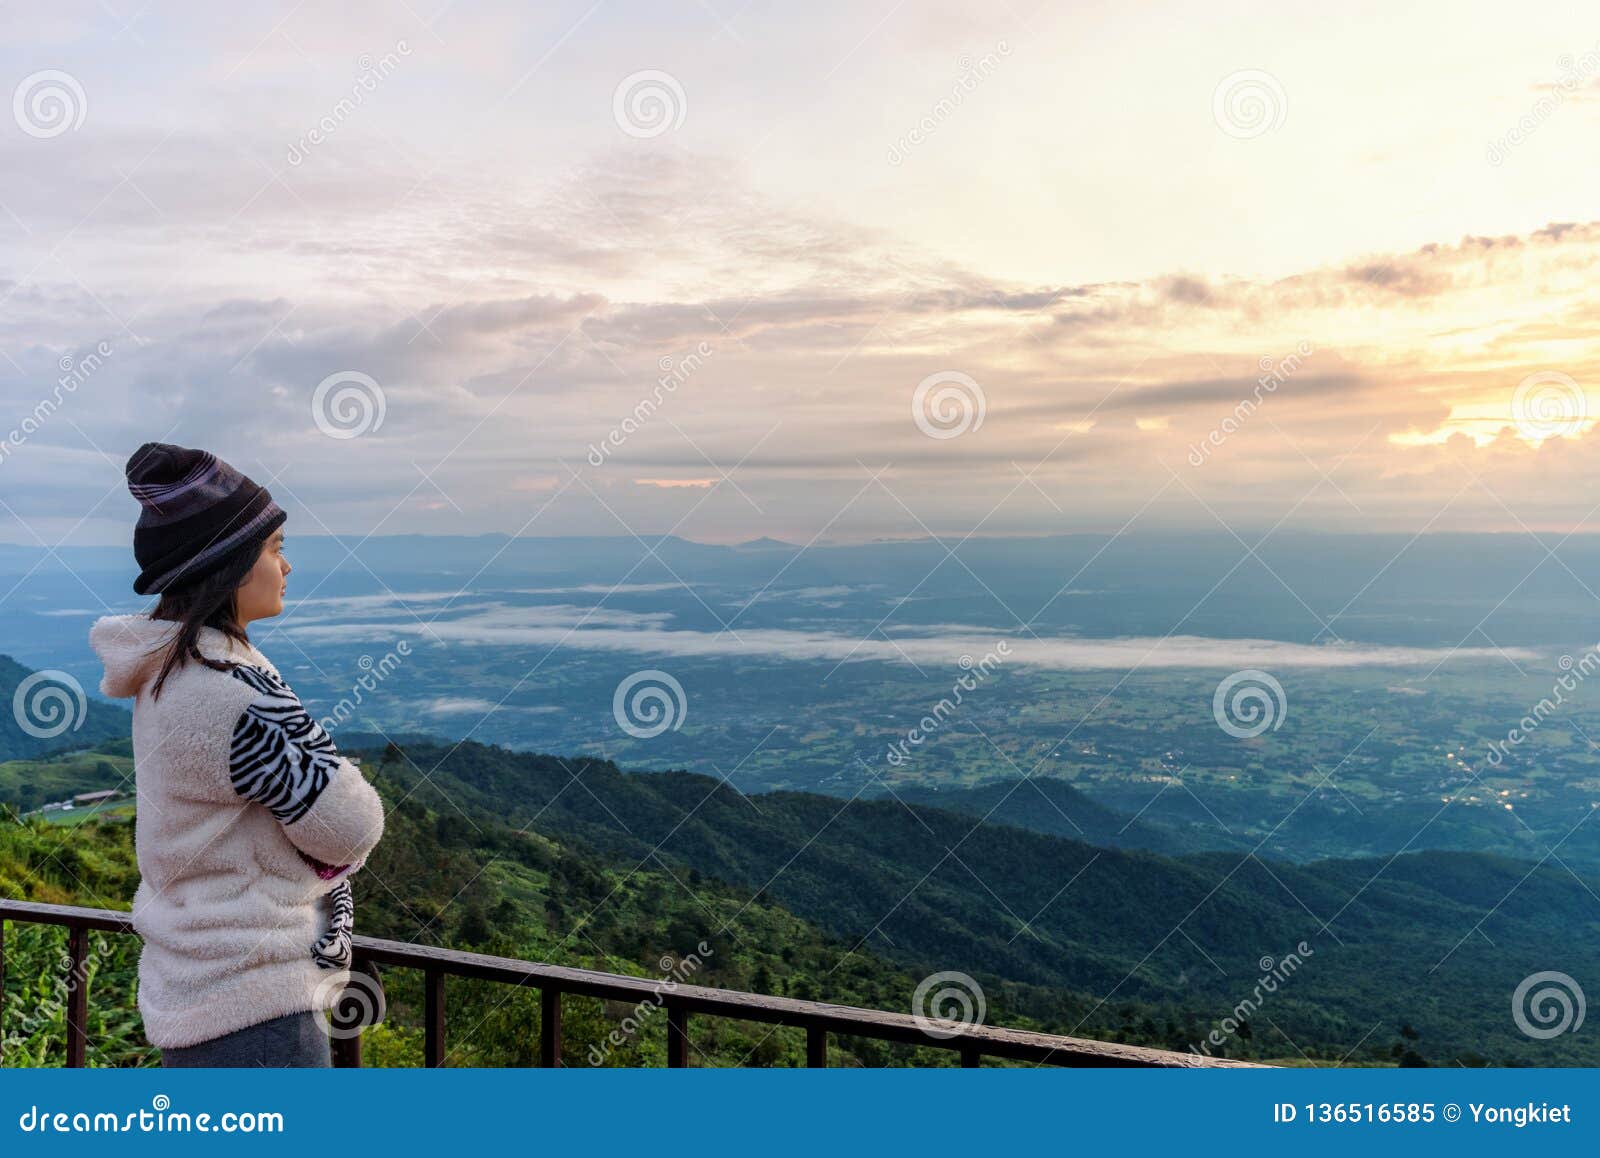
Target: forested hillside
(440, 879)
(49, 712)
(579, 863)
(1434, 942)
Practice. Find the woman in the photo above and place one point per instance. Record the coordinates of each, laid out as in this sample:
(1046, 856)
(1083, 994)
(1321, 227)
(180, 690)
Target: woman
(250, 823)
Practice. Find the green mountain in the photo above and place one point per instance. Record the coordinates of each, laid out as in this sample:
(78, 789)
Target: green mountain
(1054, 807)
(26, 784)
(578, 863)
(1435, 941)
(440, 879)
(1320, 825)
(55, 714)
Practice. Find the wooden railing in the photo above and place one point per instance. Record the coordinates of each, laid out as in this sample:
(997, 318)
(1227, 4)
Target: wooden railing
(818, 1019)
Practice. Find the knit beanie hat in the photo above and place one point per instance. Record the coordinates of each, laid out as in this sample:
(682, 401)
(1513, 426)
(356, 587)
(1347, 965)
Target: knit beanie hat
(196, 510)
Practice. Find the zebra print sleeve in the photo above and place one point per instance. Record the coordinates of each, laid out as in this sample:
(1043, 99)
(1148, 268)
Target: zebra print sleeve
(281, 758)
(333, 950)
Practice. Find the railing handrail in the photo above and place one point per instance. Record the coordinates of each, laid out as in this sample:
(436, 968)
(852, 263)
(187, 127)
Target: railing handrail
(816, 1017)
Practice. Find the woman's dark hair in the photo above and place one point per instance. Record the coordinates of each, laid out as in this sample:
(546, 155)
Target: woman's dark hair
(209, 601)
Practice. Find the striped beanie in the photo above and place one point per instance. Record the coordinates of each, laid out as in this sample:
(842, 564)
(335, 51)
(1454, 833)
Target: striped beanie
(196, 509)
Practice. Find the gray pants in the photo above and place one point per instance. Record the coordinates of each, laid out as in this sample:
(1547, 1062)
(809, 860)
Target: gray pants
(294, 1040)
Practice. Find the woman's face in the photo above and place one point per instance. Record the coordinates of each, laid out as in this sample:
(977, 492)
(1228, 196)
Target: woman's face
(260, 596)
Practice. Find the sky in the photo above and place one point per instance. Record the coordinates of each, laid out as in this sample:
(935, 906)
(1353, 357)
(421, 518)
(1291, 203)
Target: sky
(824, 272)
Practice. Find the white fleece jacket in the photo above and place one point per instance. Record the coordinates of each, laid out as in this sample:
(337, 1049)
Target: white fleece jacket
(248, 828)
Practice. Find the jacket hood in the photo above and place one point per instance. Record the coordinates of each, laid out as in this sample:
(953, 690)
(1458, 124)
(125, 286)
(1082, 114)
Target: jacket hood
(132, 649)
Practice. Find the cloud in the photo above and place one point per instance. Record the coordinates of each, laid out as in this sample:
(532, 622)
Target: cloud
(490, 615)
(508, 339)
(458, 705)
(601, 589)
(1211, 392)
(1063, 654)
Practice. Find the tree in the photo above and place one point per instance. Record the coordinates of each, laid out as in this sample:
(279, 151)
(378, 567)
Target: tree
(475, 927)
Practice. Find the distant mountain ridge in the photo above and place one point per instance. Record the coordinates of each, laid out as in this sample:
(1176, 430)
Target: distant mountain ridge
(1056, 808)
(1317, 826)
(765, 543)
